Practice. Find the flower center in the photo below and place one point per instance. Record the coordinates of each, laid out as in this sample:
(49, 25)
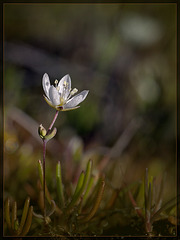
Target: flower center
(66, 93)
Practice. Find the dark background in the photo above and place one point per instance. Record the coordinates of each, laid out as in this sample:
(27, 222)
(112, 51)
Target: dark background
(125, 54)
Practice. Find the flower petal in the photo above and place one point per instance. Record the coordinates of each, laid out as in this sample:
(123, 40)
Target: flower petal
(54, 96)
(73, 102)
(48, 101)
(46, 84)
(65, 86)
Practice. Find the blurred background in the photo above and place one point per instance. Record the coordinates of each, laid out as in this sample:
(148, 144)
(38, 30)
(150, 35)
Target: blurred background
(125, 54)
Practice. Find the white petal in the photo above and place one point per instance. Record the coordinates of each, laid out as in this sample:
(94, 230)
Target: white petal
(54, 96)
(48, 101)
(65, 86)
(46, 84)
(73, 102)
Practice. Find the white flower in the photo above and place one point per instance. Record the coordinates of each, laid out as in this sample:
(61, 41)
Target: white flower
(59, 96)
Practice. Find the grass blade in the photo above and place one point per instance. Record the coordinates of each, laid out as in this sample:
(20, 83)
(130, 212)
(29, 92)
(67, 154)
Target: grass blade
(112, 199)
(28, 222)
(7, 213)
(168, 204)
(40, 170)
(59, 185)
(89, 186)
(161, 191)
(146, 188)
(97, 203)
(87, 175)
(14, 214)
(94, 193)
(77, 192)
(24, 215)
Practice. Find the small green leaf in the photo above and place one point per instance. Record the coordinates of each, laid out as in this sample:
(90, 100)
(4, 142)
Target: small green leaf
(7, 213)
(161, 191)
(77, 192)
(24, 215)
(59, 185)
(16, 225)
(50, 135)
(79, 184)
(80, 205)
(97, 203)
(168, 204)
(148, 208)
(28, 222)
(94, 194)
(40, 170)
(146, 188)
(112, 199)
(149, 198)
(14, 214)
(154, 191)
(89, 186)
(87, 175)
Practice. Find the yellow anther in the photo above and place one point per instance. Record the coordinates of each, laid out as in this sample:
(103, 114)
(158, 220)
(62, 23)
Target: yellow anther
(56, 83)
(74, 91)
(65, 84)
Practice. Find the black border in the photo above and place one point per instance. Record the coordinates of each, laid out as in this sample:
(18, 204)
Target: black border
(177, 2)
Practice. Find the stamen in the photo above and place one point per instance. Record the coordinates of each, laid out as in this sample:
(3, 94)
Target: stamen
(73, 91)
(65, 84)
(56, 83)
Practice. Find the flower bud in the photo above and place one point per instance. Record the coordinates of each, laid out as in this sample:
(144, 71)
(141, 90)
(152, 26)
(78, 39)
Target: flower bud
(50, 135)
(42, 131)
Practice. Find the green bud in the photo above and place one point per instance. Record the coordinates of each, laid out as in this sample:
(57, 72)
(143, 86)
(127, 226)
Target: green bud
(50, 135)
(42, 131)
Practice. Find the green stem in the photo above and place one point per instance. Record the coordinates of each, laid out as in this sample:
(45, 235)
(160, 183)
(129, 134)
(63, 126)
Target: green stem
(44, 177)
(44, 160)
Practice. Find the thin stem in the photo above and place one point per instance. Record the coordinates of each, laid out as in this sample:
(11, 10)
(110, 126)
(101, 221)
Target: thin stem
(44, 177)
(44, 161)
(138, 211)
(54, 119)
